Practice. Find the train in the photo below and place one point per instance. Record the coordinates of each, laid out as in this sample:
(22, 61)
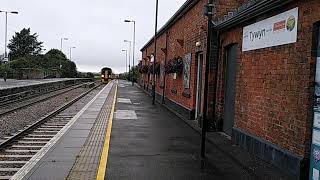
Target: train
(106, 75)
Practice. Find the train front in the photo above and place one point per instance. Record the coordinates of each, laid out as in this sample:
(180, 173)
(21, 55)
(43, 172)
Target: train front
(106, 75)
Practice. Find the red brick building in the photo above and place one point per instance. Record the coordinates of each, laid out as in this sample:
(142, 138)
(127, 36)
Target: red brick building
(265, 86)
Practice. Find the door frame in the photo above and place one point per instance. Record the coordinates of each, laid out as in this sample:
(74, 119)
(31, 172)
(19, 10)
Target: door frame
(315, 54)
(226, 66)
(199, 84)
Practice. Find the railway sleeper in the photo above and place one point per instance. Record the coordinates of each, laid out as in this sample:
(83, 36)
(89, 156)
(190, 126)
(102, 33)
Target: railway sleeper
(5, 177)
(37, 138)
(53, 126)
(32, 142)
(12, 165)
(26, 148)
(41, 135)
(13, 162)
(26, 151)
(57, 123)
(45, 132)
(16, 158)
(8, 173)
(9, 169)
(49, 129)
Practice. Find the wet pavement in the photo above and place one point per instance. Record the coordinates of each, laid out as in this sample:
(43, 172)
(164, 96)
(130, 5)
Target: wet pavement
(149, 142)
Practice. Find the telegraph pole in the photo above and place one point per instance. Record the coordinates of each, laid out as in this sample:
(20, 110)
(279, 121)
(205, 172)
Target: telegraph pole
(155, 57)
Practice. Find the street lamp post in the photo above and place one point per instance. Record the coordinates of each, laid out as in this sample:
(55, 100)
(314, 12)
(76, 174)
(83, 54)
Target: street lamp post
(129, 57)
(155, 56)
(124, 50)
(134, 43)
(209, 12)
(6, 31)
(62, 39)
(71, 52)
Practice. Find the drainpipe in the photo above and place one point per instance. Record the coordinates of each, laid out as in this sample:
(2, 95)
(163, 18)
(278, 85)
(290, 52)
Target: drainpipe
(165, 62)
(155, 55)
(209, 13)
(216, 39)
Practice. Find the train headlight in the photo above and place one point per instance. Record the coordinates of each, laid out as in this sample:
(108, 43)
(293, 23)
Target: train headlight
(102, 76)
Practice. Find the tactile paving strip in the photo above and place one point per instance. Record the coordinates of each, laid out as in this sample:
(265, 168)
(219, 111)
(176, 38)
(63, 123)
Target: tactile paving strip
(87, 163)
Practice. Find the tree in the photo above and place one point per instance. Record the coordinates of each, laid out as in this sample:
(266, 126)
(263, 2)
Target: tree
(69, 69)
(54, 58)
(56, 54)
(24, 43)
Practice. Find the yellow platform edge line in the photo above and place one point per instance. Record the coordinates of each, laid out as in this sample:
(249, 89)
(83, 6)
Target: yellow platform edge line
(105, 152)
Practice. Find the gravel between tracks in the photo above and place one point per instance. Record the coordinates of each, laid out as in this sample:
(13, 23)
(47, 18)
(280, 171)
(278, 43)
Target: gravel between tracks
(13, 105)
(18, 120)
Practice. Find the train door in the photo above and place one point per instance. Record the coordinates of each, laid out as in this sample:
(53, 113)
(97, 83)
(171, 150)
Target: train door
(107, 72)
(230, 88)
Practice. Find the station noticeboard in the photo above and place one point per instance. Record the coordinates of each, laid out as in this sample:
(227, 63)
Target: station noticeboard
(314, 173)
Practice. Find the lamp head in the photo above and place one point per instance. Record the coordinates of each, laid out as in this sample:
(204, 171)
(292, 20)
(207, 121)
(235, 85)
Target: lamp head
(127, 20)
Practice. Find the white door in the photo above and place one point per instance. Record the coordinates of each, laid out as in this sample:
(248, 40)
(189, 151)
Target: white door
(199, 86)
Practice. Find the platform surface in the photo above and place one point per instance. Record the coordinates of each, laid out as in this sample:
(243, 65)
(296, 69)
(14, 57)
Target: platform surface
(12, 83)
(147, 142)
(150, 142)
(58, 161)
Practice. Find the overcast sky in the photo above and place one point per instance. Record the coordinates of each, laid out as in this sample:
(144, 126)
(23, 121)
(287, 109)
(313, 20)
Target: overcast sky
(94, 27)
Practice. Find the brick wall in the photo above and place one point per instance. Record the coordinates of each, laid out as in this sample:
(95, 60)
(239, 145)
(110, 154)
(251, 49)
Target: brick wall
(191, 28)
(274, 86)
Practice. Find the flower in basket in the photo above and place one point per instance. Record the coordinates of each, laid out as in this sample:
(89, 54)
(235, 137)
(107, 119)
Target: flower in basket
(150, 69)
(177, 65)
(168, 67)
(145, 69)
(157, 68)
(140, 67)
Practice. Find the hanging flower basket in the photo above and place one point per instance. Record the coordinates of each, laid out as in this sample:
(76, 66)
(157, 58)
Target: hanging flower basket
(144, 69)
(150, 69)
(157, 68)
(140, 67)
(174, 66)
(168, 68)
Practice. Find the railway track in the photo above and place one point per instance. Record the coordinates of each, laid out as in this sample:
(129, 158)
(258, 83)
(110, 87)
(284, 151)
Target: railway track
(17, 150)
(9, 108)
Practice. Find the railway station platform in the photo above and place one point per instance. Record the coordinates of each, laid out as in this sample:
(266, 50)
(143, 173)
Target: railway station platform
(19, 89)
(121, 135)
(12, 83)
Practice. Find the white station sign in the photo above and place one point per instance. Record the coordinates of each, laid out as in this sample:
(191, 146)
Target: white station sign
(277, 30)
